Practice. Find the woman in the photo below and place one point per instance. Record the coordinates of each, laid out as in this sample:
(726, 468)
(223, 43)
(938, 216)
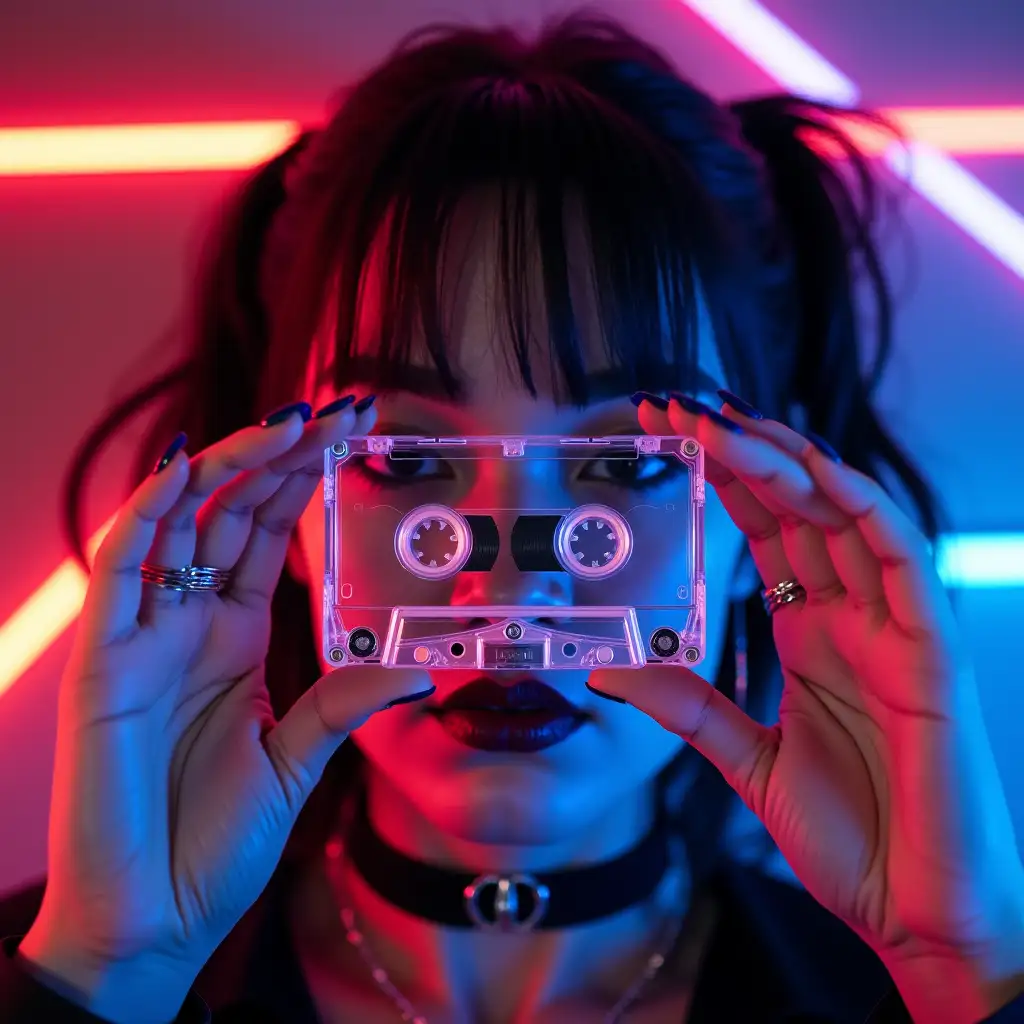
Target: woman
(508, 236)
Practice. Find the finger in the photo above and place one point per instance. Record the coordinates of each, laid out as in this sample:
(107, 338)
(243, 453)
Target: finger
(915, 595)
(302, 743)
(858, 570)
(175, 540)
(680, 701)
(758, 524)
(765, 459)
(111, 607)
(225, 522)
(259, 566)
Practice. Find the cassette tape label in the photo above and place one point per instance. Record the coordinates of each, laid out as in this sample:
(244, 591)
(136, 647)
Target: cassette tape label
(514, 553)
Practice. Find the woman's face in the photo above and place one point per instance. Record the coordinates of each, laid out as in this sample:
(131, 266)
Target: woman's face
(508, 797)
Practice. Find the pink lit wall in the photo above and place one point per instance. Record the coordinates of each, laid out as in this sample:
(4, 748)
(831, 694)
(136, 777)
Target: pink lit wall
(93, 270)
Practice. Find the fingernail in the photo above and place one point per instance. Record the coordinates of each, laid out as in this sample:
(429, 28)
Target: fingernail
(691, 405)
(724, 421)
(607, 696)
(364, 403)
(739, 405)
(645, 396)
(172, 449)
(336, 406)
(824, 447)
(412, 698)
(280, 415)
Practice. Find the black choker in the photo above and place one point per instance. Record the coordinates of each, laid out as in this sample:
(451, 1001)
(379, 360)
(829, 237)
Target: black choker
(509, 902)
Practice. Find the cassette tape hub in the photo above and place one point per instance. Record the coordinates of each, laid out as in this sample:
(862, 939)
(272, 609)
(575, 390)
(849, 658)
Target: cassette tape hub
(499, 553)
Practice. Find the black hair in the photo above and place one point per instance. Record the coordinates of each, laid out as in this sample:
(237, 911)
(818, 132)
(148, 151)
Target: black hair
(677, 191)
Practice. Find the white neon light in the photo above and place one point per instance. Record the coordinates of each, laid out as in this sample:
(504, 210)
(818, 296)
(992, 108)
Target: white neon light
(963, 199)
(777, 50)
(798, 67)
(981, 560)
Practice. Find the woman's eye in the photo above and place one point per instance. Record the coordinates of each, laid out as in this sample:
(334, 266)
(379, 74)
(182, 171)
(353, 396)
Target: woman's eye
(635, 473)
(403, 469)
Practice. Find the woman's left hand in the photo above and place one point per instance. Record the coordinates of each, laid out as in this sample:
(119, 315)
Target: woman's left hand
(878, 783)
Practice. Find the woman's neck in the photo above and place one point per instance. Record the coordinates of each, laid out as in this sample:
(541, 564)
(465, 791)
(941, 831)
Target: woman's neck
(500, 976)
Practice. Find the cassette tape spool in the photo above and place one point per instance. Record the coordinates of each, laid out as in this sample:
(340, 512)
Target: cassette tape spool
(582, 567)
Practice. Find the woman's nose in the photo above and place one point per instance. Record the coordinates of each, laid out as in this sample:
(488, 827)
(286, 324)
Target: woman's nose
(505, 585)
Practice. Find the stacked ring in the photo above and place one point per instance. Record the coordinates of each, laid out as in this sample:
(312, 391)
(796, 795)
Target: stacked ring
(781, 594)
(194, 578)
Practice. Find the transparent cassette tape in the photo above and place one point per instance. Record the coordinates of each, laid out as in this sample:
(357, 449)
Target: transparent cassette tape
(514, 553)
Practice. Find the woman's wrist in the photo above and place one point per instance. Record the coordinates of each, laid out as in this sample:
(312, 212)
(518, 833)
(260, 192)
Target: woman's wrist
(144, 990)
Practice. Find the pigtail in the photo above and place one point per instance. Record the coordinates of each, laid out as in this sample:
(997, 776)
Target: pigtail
(830, 212)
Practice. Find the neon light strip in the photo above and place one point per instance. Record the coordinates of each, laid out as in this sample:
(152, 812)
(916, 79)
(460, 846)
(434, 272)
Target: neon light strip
(131, 149)
(235, 145)
(40, 621)
(777, 50)
(981, 560)
(969, 131)
(964, 200)
(965, 561)
(796, 66)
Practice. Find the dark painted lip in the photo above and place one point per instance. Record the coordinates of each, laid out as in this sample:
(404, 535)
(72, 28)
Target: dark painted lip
(497, 731)
(523, 696)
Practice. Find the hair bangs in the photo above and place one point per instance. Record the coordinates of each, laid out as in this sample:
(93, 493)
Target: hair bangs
(548, 150)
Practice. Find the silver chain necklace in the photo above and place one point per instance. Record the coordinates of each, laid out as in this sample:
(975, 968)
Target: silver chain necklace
(405, 1008)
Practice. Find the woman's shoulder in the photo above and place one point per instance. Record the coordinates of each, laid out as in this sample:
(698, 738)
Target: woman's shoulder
(20, 906)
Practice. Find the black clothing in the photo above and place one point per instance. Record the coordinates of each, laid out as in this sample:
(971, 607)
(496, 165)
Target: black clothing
(775, 956)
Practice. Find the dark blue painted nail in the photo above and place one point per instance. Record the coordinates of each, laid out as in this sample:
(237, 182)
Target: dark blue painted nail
(744, 408)
(304, 409)
(691, 405)
(336, 406)
(695, 408)
(824, 447)
(364, 403)
(412, 698)
(607, 696)
(724, 422)
(645, 396)
(172, 449)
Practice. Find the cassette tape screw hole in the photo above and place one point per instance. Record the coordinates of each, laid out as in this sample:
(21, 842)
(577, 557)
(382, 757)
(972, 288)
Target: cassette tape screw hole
(690, 448)
(340, 450)
(513, 631)
(691, 654)
(362, 642)
(337, 654)
(665, 642)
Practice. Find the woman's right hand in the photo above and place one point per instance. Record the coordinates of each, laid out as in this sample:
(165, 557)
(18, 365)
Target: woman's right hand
(174, 789)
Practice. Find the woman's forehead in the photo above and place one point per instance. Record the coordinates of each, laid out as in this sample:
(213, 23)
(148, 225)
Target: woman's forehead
(472, 268)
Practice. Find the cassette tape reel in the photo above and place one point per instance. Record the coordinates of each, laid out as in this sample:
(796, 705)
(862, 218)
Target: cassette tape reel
(496, 553)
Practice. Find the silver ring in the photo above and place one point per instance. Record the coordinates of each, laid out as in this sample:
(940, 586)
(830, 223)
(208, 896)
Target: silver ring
(194, 578)
(508, 915)
(781, 594)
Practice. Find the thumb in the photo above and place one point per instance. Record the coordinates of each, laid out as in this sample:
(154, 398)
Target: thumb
(743, 750)
(320, 720)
